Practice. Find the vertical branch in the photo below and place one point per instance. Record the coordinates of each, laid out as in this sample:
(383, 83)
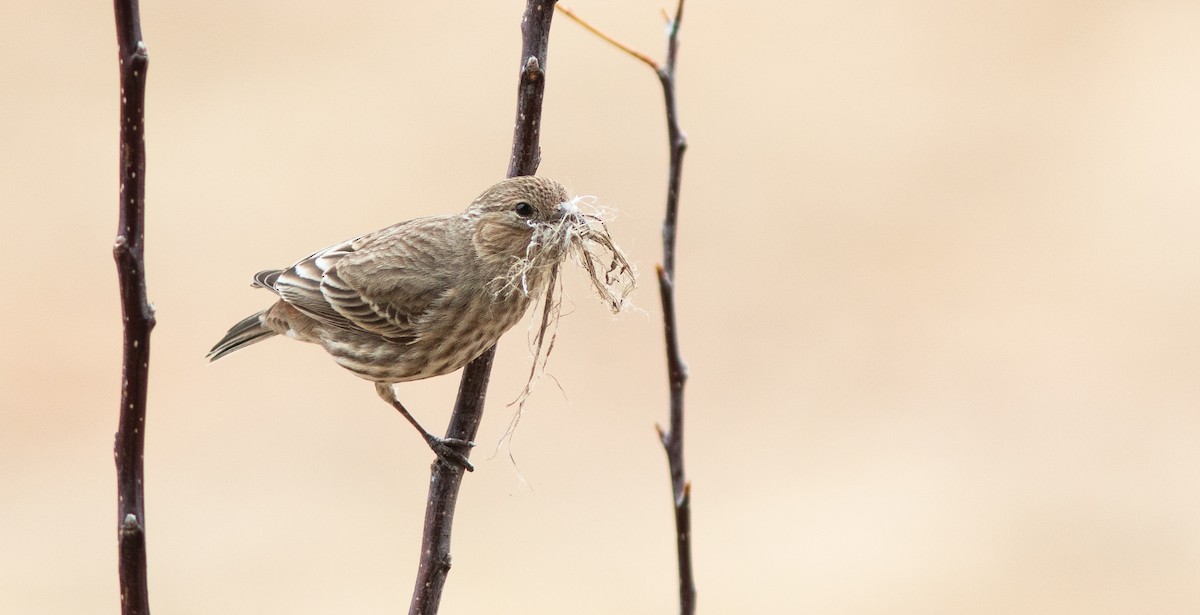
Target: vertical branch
(128, 250)
(672, 439)
(446, 478)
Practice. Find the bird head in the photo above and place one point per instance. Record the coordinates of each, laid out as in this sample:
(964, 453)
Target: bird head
(522, 223)
(526, 226)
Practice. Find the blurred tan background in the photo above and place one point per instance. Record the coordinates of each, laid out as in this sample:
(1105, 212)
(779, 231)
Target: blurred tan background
(939, 287)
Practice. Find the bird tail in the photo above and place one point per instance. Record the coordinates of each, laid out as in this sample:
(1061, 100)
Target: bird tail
(250, 330)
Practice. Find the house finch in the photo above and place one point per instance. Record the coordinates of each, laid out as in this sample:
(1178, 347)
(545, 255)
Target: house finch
(424, 297)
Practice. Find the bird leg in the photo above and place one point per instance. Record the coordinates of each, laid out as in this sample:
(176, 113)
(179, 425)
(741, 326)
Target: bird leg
(445, 448)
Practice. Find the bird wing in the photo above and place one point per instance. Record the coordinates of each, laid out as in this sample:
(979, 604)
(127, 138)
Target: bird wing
(379, 283)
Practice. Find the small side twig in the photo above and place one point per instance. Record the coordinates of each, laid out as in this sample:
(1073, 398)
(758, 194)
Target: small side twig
(129, 253)
(446, 479)
(645, 59)
(671, 438)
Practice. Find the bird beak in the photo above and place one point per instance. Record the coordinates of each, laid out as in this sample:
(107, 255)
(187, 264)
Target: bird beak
(567, 209)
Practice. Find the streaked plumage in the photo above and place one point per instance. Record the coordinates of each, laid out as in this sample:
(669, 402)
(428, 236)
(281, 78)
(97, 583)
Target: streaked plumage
(424, 297)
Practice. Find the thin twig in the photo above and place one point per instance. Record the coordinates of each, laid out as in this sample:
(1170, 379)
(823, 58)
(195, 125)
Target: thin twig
(608, 39)
(446, 478)
(672, 439)
(129, 252)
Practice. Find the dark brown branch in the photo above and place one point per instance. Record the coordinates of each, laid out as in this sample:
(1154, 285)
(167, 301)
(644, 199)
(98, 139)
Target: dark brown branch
(677, 142)
(672, 438)
(446, 478)
(129, 252)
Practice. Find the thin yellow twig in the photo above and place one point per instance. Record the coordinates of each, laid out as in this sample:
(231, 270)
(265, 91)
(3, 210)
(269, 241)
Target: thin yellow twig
(610, 40)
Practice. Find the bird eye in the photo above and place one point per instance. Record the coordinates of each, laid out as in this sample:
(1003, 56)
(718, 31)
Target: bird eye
(525, 210)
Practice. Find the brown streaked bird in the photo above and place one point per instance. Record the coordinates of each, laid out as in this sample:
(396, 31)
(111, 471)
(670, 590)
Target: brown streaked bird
(424, 297)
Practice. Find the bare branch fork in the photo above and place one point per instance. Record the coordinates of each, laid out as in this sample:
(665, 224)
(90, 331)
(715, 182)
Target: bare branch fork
(672, 438)
(446, 478)
(129, 252)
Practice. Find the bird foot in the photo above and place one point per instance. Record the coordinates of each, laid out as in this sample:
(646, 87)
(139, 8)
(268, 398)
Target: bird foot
(450, 450)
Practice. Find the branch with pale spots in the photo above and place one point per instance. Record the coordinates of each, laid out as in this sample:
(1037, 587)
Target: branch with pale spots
(445, 478)
(137, 313)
